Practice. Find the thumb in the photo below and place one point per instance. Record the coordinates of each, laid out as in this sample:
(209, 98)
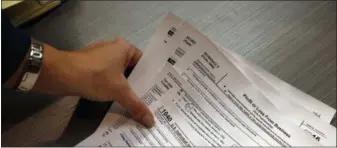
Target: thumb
(137, 108)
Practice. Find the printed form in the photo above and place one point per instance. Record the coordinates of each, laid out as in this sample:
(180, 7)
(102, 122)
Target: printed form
(199, 98)
(288, 92)
(320, 130)
(147, 68)
(184, 118)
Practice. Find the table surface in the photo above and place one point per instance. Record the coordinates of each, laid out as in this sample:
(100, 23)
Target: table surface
(294, 40)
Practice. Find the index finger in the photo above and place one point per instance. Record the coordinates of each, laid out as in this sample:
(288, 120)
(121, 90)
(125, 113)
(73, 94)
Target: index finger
(135, 106)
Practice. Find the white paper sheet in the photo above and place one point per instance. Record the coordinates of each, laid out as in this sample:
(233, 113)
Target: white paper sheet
(204, 51)
(184, 118)
(321, 110)
(321, 131)
(295, 111)
(161, 46)
(144, 71)
(150, 67)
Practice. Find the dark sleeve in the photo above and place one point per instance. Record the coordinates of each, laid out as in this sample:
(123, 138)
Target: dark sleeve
(14, 46)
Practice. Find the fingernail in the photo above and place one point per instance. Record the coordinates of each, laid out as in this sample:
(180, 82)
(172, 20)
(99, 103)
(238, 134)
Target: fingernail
(148, 120)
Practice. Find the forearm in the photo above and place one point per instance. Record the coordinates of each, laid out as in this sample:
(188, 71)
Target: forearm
(53, 72)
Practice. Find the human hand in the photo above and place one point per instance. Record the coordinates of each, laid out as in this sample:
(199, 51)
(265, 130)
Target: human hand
(94, 72)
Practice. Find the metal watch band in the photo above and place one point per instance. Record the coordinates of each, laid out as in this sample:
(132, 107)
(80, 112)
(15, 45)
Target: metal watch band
(32, 68)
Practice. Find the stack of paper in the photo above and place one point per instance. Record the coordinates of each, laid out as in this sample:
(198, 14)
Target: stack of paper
(205, 95)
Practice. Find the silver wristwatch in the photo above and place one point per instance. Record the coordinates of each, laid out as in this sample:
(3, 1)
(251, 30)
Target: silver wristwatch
(32, 68)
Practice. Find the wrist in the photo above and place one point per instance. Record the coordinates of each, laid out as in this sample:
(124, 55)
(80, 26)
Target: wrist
(55, 73)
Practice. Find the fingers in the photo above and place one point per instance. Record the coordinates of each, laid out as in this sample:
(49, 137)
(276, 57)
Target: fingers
(129, 100)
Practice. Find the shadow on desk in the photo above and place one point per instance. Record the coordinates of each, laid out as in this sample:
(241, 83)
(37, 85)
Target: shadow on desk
(84, 121)
(17, 107)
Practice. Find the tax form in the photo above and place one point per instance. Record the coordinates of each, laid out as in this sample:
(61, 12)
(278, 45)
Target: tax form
(201, 57)
(322, 131)
(218, 83)
(289, 92)
(302, 117)
(184, 118)
(148, 67)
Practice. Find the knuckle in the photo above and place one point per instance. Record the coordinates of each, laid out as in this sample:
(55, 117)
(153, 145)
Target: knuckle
(122, 40)
(123, 43)
(132, 47)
